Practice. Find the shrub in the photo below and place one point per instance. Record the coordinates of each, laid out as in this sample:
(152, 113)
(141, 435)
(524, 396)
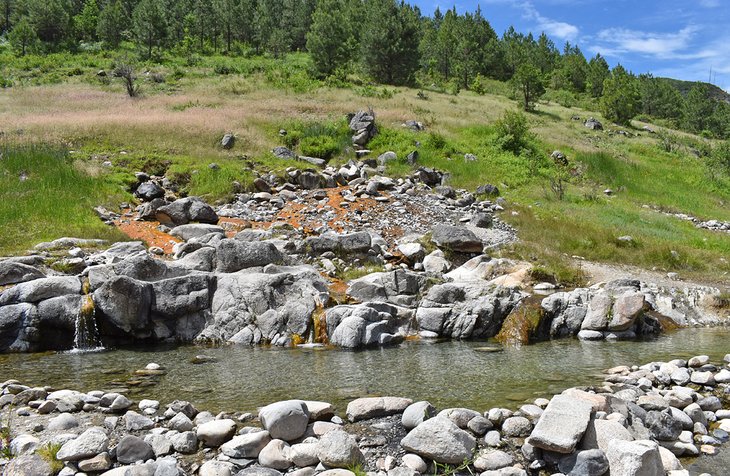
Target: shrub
(323, 147)
(513, 131)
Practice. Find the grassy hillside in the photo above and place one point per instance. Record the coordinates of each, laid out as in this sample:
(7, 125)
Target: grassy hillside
(176, 125)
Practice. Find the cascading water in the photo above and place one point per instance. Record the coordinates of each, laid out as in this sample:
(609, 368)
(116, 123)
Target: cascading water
(86, 334)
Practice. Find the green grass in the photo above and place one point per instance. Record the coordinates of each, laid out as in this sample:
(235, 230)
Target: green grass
(48, 453)
(176, 126)
(55, 199)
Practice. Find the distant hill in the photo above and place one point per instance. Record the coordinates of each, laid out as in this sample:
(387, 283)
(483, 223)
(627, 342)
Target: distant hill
(684, 86)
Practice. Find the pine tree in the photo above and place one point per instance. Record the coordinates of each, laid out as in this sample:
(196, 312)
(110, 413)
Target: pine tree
(111, 23)
(49, 19)
(528, 80)
(22, 36)
(150, 25)
(390, 40)
(698, 108)
(328, 40)
(85, 22)
(621, 100)
(598, 71)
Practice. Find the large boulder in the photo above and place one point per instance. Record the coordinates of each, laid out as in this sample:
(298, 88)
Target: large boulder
(635, 458)
(12, 272)
(399, 287)
(362, 325)
(562, 424)
(455, 238)
(184, 295)
(87, 445)
(272, 306)
(235, 255)
(352, 243)
(464, 310)
(124, 303)
(186, 210)
(441, 440)
(40, 289)
(285, 420)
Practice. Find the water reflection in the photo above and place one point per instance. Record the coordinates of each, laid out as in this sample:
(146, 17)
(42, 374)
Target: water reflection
(446, 373)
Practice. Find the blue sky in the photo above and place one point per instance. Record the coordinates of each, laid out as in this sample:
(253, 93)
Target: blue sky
(682, 39)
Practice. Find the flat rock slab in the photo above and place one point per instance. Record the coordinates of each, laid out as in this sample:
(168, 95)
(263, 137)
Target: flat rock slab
(562, 424)
(376, 407)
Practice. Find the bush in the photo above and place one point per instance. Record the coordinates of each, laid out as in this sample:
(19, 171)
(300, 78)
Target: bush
(323, 147)
(513, 132)
(478, 85)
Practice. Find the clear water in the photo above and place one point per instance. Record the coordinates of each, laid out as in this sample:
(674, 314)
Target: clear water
(448, 373)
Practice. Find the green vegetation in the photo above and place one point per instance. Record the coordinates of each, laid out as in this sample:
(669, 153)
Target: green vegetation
(189, 98)
(46, 194)
(48, 453)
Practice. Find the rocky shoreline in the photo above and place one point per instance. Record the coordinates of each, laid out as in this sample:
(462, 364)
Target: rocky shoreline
(639, 421)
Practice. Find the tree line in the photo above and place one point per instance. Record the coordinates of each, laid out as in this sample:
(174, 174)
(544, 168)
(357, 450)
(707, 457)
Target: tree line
(390, 41)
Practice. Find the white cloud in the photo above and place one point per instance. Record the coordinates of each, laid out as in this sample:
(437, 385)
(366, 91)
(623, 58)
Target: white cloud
(559, 29)
(617, 41)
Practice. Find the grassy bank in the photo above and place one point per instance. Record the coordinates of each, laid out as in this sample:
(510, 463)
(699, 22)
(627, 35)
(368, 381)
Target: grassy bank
(185, 108)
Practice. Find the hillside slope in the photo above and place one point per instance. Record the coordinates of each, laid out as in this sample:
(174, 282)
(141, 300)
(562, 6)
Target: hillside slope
(175, 128)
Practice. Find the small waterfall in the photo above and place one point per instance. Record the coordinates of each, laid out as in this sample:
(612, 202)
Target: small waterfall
(86, 335)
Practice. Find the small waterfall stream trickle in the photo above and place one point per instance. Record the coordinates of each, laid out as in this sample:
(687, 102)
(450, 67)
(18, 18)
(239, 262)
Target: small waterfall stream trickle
(86, 334)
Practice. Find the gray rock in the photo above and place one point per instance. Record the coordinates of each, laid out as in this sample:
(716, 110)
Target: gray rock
(248, 445)
(662, 425)
(234, 255)
(131, 449)
(22, 444)
(124, 303)
(493, 459)
(176, 297)
(441, 440)
(180, 422)
(62, 422)
(456, 239)
(185, 442)
(135, 422)
(600, 433)
(98, 463)
(587, 462)
(216, 432)
(436, 263)
(186, 210)
(304, 454)
(88, 444)
(337, 449)
(228, 141)
(562, 425)
(376, 407)
(635, 458)
(195, 230)
(41, 289)
(286, 420)
(259, 471)
(28, 465)
(276, 454)
(417, 413)
(516, 426)
(148, 191)
(13, 273)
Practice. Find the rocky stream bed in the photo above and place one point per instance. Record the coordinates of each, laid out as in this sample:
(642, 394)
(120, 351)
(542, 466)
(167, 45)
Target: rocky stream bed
(341, 257)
